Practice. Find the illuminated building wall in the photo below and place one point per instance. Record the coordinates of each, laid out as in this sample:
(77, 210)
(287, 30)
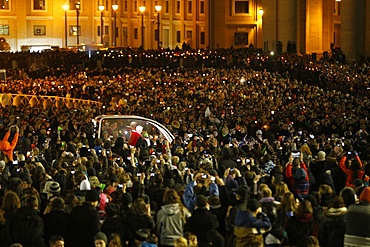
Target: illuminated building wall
(312, 24)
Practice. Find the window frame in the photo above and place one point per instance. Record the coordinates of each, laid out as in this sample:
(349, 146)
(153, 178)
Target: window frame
(242, 13)
(9, 6)
(38, 10)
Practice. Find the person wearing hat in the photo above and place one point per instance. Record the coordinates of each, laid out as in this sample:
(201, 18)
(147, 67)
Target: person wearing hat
(250, 224)
(135, 135)
(100, 240)
(358, 222)
(317, 169)
(85, 221)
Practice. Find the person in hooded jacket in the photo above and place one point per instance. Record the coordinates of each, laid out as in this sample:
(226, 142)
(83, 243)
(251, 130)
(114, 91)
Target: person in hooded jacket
(333, 229)
(171, 218)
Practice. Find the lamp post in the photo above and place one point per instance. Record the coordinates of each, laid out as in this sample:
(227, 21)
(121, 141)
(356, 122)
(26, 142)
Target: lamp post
(158, 8)
(142, 11)
(101, 9)
(66, 8)
(78, 5)
(115, 8)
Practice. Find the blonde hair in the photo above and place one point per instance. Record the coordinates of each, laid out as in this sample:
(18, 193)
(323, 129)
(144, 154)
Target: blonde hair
(280, 189)
(306, 149)
(192, 239)
(181, 242)
(325, 189)
(11, 201)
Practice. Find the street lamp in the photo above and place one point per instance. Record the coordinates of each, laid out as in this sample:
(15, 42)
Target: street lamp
(66, 8)
(78, 5)
(115, 8)
(142, 11)
(158, 8)
(101, 9)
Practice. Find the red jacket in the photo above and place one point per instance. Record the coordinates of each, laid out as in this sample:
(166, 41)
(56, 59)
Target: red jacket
(349, 171)
(303, 186)
(134, 138)
(7, 147)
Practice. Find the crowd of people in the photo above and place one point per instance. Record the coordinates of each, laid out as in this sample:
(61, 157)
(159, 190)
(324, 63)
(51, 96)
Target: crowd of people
(267, 152)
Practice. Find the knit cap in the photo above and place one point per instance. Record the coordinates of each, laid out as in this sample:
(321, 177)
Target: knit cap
(101, 236)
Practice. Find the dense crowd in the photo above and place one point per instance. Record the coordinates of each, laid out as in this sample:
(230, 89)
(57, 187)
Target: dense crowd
(269, 150)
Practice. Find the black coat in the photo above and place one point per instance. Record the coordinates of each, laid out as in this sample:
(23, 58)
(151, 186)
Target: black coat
(114, 225)
(332, 231)
(84, 225)
(200, 223)
(135, 222)
(56, 223)
(27, 228)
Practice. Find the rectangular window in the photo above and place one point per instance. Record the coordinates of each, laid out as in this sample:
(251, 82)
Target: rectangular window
(4, 4)
(106, 30)
(99, 30)
(202, 38)
(178, 36)
(135, 6)
(167, 7)
(241, 7)
(136, 33)
(124, 31)
(178, 7)
(4, 30)
(125, 6)
(190, 7)
(39, 4)
(189, 34)
(202, 7)
(337, 8)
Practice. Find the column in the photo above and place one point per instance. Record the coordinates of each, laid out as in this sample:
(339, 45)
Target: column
(314, 24)
(349, 28)
(286, 21)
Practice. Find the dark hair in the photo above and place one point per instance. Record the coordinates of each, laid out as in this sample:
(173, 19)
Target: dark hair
(201, 201)
(31, 201)
(348, 195)
(139, 207)
(296, 162)
(54, 239)
(57, 203)
(338, 202)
